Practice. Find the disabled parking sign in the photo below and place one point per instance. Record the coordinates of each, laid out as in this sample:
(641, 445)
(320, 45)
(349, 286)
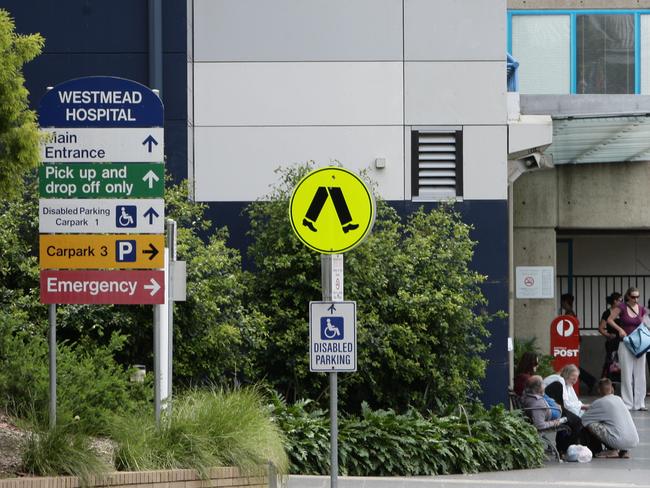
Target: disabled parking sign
(331, 210)
(333, 336)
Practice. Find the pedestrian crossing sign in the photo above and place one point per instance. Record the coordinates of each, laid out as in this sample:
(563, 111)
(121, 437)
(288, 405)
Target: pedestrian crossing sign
(331, 210)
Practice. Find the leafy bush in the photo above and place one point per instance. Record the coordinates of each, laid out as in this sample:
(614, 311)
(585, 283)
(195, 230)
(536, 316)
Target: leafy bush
(383, 443)
(90, 384)
(61, 451)
(205, 429)
(420, 328)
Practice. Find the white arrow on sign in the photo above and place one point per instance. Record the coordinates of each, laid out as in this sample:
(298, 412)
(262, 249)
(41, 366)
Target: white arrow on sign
(150, 178)
(154, 287)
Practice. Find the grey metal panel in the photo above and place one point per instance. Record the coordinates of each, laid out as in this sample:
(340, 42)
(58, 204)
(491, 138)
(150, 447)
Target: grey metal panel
(453, 93)
(297, 30)
(454, 30)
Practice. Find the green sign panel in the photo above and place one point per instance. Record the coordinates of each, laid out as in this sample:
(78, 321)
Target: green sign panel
(102, 180)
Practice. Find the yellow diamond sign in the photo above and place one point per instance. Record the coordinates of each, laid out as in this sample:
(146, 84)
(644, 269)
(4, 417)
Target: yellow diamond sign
(331, 210)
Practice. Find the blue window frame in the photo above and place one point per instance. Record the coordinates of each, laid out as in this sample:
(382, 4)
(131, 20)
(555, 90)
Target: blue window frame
(573, 15)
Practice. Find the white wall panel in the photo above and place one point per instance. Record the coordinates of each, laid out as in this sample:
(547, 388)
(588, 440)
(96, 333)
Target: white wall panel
(485, 165)
(450, 93)
(240, 94)
(454, 30)
(238, 163)
(298, 30)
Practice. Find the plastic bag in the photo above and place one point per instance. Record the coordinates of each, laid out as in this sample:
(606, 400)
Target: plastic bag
(578, 453)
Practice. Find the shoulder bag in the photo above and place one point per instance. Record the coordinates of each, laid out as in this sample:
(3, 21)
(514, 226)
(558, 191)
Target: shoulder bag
(638, 342)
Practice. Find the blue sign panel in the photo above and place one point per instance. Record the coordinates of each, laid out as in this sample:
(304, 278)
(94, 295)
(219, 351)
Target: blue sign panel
(100, 101)
(331, 328)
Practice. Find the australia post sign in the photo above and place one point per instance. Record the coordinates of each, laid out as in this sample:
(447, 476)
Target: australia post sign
(565, 341)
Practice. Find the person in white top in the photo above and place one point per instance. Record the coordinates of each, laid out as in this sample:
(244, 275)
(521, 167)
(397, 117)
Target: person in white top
(568, 377)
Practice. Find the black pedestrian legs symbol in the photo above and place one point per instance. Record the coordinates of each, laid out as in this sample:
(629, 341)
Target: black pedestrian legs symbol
(341, 207)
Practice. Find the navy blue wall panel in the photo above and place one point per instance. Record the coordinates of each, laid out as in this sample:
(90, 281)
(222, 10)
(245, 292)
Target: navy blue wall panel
(96, 37)
(175, 86)
(50, 69)
(176, 149)
(83, 26)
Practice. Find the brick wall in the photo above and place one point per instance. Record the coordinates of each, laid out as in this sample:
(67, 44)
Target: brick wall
(180, 478)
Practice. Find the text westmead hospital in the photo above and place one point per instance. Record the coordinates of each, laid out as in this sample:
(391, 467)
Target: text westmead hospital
(84, 113)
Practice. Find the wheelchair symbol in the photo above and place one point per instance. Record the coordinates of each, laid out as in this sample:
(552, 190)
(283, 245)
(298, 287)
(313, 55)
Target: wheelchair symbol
(331, 328)
(126, 216)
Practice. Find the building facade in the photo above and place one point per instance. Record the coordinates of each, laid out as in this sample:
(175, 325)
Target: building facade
(413, 91)
(588, 65)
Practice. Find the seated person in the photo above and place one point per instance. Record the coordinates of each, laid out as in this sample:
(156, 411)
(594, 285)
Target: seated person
(610, 423)
(535, 406)
(567, 378)
(526, 367)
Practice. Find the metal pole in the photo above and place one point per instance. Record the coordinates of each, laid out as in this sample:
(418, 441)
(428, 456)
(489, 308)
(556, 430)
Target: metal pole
(171, 244)
(155, 45)
(156, 362)
(334, 431)
(327, 283)
(52, 317)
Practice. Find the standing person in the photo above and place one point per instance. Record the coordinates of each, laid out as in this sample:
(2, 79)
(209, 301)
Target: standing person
(633, 385)
(612, 338)
(610, 423)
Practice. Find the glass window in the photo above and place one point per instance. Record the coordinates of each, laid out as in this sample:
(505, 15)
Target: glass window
(605, 54)
(645, 54)
(541, 45)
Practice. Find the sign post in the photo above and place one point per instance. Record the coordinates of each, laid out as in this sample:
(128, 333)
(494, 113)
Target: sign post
(332, 211)
(101, 212)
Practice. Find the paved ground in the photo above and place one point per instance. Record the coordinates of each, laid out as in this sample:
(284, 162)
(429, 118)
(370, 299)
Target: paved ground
(605, 473)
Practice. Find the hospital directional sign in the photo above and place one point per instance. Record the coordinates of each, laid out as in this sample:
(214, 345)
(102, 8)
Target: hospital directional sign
(102, 216)
(333, 336)
(89, 251)
(60, 145)
(103, 173)
(145, 287)
(100, 180)
(331, 210)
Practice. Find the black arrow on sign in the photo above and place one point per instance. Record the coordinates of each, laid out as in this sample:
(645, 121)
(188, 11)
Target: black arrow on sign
(152, 250)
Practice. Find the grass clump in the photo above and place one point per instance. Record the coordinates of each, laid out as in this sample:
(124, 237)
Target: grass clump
(61, 450)
(206, 428)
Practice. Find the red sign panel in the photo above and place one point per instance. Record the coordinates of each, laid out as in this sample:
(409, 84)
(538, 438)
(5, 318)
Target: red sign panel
(565, 342)
(137, 287)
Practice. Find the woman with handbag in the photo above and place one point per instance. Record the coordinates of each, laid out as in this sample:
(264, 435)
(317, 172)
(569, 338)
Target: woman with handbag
(611, 366)
(633, 385)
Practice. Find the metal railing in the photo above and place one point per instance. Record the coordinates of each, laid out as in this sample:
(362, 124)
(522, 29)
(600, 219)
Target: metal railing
(591, 291)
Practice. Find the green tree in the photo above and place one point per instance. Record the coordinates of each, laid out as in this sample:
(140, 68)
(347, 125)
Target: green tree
(19, 137)
(420, 329)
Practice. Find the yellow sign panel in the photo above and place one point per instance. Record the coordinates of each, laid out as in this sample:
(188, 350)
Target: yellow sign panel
(331, 210)
(94, 251)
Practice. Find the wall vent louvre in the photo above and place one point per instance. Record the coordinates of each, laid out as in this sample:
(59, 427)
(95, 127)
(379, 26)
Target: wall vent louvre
(436, 170)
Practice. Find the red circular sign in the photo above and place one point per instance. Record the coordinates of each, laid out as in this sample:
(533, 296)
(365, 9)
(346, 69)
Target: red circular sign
(529, 281)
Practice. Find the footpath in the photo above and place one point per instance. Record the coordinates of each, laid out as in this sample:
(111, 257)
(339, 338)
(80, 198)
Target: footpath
(599, 473)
